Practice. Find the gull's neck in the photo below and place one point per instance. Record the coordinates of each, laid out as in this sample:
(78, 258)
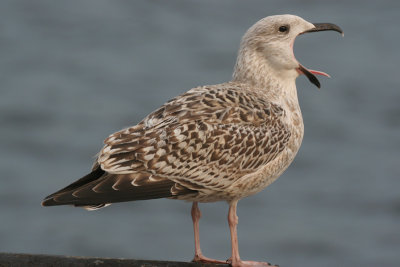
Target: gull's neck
(253, 69)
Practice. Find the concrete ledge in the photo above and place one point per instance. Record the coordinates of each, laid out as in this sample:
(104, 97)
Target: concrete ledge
(17, 260)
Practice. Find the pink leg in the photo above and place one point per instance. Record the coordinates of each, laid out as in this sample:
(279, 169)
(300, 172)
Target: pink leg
(198, 255)
(235, 260)
(233, 221)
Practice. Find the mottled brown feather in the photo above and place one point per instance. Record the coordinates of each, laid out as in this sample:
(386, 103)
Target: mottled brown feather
(208, 137)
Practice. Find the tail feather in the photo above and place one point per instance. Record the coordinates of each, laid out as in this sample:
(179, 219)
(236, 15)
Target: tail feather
(93, 207)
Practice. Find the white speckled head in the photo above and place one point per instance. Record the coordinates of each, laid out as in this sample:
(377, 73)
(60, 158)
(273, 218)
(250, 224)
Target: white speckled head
(273, 38)
(267, 50)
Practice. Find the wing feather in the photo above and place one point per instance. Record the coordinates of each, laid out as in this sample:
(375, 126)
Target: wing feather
(208, 137)
(202, 141)
(110, 188)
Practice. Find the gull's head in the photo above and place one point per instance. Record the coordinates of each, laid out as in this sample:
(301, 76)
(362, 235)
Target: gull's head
(269, 45)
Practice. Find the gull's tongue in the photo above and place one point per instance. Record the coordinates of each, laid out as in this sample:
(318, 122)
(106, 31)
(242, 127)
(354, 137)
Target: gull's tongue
(310, 75)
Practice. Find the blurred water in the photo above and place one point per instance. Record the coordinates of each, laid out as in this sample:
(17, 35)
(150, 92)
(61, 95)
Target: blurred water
(73, 72)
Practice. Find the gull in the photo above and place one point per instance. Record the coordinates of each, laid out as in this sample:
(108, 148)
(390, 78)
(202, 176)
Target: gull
(218, 142)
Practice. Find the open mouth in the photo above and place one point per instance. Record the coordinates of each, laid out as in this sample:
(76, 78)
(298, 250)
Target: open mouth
(310, 74)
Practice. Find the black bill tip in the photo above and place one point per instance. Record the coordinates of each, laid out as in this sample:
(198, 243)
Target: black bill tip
(311, 77)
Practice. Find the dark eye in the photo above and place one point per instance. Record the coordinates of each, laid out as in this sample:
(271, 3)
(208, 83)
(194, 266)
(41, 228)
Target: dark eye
(284, 28)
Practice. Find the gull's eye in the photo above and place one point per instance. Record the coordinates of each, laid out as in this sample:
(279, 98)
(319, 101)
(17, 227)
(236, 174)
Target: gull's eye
(284, 28)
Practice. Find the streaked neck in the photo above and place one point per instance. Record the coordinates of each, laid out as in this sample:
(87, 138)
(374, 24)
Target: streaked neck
(252, 69)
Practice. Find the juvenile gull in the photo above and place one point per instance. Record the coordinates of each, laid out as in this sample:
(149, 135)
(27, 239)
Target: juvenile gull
(212, 143)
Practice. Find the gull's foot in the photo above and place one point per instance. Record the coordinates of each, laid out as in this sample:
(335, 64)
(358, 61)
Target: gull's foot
(203, 259)
(250, 264)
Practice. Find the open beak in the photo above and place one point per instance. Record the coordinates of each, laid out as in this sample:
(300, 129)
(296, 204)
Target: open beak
(318, 27)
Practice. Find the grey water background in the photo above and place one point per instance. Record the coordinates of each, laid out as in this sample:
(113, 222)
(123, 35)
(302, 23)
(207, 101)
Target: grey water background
(73, 72)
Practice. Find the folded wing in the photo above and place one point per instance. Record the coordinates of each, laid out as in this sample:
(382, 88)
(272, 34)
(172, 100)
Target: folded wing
(198, 143)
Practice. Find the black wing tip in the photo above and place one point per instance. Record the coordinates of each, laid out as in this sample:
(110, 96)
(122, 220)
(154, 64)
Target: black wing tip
(49, 201)
(92, 176)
